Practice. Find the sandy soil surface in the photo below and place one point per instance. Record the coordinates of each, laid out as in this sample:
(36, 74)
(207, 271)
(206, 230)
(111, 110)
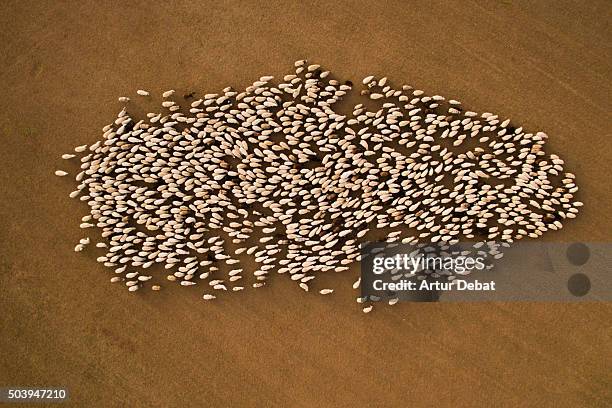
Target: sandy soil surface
(545, 65)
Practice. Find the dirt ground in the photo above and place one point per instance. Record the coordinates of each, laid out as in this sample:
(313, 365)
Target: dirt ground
(545, 64)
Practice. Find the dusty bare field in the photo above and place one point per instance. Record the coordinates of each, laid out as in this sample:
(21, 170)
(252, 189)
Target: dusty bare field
(545, 65)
